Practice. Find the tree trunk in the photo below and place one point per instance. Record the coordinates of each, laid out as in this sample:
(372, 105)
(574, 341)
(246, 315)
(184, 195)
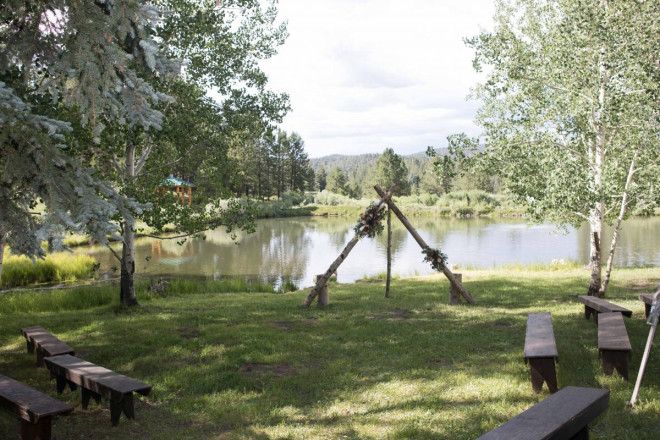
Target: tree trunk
(595, 257)
(127, 284)
(389, 253)
(2, 252)
(617, 229)
(445, 270)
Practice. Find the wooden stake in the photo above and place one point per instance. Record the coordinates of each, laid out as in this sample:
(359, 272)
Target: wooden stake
(323, 280)
(450, 276)
(389, 253)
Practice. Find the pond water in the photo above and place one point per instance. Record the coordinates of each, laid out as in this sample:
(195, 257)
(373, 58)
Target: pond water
(296, 249)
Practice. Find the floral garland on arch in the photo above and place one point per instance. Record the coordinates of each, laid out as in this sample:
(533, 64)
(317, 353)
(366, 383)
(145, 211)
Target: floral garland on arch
(370, 223)
(437, 258)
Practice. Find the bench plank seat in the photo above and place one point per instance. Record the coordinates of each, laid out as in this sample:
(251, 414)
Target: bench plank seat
(33, 407)
(541, 351)
(564, 415)
(45, 344)
(647, 299)
(594, 306)
(97, 382)
(613, 344)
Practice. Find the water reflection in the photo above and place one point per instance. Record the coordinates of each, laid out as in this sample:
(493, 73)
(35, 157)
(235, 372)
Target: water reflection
(299, 248)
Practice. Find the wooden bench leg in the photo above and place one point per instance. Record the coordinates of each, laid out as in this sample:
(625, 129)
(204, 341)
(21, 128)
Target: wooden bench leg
(589, 312)
(647, 310)
(86, 395)
(40, 358)
(36, 431)
(127, 406)
(62, 382)
(615, 359)
(583, 434)
(543, 370)
(30, 346)
(123, 404)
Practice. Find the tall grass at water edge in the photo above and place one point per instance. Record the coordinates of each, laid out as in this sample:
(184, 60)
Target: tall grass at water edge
(19, 270)
(241, 366)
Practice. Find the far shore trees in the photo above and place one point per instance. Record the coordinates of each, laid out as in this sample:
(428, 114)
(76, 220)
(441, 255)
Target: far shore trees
(571, 111)
(390, 170)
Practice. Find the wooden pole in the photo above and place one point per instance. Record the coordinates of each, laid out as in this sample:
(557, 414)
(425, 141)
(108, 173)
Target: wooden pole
(649, 342)
(450, 276)
(389, 253)
(323, 280)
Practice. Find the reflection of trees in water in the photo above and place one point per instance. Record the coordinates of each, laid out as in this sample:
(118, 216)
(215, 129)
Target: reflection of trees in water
(399, 237)
(290, 247)
(277, 248)
(286, 250)
(639, 242)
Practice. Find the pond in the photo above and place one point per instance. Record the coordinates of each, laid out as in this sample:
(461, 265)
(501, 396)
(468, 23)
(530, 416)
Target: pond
(295, 249)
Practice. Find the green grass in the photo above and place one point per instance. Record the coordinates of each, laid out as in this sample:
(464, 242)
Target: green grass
(257, 366)
(19, 270)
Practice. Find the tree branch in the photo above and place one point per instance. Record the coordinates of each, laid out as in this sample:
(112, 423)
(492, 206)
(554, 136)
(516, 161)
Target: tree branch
(143, 158)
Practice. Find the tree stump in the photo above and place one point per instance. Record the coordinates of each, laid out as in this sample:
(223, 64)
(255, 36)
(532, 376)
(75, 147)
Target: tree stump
(454, 294)
(324, 297)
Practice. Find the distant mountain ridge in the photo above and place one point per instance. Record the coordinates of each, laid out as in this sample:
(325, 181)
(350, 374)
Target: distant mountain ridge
(350, 164)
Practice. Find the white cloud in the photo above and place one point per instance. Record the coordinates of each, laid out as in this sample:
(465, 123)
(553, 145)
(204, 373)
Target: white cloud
(365, 75)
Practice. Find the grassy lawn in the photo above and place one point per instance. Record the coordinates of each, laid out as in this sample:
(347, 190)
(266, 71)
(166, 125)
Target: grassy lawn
(257, 366)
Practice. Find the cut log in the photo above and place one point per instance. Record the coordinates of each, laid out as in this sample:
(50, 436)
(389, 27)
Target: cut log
(448, 273)
(323, 280)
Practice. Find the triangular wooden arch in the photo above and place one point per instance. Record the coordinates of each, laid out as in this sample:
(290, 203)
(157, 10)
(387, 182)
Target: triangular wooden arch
(387, 199)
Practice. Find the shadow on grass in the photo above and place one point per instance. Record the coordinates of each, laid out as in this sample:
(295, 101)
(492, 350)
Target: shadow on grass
(411, 365)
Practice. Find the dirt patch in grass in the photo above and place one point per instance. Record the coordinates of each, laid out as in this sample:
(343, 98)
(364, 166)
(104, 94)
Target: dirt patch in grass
(394, 315)
(398, 313)
(289, 325)
(646, 286)
(282, 325)
(502, 324)
(437, 363)
(187, 333)
(275, 370)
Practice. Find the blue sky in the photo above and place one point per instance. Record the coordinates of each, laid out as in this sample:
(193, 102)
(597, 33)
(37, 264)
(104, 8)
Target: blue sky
(364, 75)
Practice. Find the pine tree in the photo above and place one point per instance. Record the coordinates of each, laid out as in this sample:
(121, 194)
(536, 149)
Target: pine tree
(62, 57)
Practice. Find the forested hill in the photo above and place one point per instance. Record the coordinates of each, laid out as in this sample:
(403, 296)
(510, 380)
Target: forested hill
(357, 167)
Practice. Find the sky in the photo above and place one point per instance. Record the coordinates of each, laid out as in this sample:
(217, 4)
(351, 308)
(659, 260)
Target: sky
(365, 75)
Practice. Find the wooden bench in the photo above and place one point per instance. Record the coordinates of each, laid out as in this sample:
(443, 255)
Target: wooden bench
(45, 344)
(35, 408)
(565, 415)
(613, 344)
(594, 305)
(541, 351)
(647, 299)
(97, 382)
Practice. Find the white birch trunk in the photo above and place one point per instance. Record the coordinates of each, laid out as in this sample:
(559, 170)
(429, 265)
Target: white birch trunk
(597, 158)
(617, 229)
